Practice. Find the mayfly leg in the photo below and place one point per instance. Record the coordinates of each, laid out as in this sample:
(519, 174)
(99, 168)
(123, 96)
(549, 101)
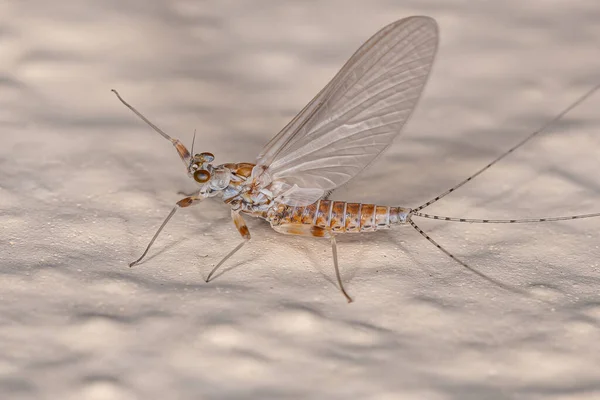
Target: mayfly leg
(232, 252)
(185, 202)
(337, 269)
(131, 264)
(320, 232)
(242, 228)
(183, 152)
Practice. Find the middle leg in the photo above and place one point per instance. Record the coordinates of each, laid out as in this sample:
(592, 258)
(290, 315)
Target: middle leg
(242, 228)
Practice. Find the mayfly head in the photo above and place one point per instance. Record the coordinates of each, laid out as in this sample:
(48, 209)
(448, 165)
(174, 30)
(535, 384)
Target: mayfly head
(200, 167)
(210, 178)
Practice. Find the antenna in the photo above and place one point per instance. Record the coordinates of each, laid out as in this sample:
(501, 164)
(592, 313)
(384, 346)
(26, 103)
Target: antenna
(181, 149)
(193, 141)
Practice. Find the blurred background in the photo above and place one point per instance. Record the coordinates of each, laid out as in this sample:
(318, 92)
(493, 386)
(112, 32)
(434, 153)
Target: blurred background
(84, 185)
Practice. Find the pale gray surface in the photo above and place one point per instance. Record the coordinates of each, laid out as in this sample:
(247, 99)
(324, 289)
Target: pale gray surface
(83, 186)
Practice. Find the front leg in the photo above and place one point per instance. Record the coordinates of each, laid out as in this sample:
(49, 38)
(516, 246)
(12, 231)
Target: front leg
(185, 202)
(242, 228)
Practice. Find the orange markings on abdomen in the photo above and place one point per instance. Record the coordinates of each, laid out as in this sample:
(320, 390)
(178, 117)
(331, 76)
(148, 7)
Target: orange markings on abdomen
(326, 216)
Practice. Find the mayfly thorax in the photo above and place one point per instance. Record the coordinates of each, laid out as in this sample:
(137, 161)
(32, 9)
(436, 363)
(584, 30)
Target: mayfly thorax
(345, 127)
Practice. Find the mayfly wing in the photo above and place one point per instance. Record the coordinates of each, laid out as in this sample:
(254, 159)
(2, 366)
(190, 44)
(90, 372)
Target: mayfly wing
(355, 117)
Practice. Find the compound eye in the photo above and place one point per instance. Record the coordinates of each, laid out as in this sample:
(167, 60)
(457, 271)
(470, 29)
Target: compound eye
(202, 176)
(208, 157)
(205, 157)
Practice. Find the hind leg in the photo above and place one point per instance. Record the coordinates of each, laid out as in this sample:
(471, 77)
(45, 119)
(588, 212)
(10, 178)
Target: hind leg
(337, 270)
(315, 231)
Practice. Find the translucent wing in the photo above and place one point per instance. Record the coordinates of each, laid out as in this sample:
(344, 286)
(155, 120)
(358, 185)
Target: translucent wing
(355, 117)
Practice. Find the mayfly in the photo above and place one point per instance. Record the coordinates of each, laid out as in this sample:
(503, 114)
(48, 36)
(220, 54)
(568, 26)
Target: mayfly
(340, 132)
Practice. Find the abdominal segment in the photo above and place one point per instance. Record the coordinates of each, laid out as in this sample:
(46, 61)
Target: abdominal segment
(327, 217)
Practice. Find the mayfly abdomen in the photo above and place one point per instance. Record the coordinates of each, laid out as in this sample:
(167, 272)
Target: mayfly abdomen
(335, 217)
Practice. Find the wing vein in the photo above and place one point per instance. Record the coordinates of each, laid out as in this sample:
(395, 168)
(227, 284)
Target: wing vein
(356, 116)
